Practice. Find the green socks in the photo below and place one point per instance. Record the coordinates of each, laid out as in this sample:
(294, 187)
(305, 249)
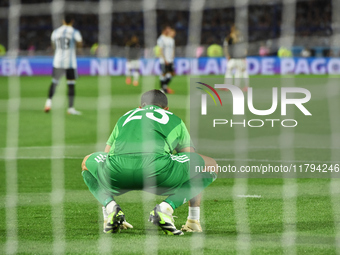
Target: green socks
(99, 193)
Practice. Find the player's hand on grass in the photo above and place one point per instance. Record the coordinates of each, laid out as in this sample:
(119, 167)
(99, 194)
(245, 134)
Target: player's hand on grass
(126, 225)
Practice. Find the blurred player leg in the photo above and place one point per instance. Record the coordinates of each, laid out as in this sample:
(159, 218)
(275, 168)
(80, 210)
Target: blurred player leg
(164, 87)
(128, 73)
(71, 83)
(135, 75)
(71, 93)
(51, 91)
(168, 77)
(135, 72)
(162, 79)
(245, 75)
(133, 53)
(229, 72)
(238, 72)
(230, 67)
(56, 75)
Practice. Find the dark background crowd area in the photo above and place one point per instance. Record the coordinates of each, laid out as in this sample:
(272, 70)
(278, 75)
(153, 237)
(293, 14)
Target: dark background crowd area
(313, 20)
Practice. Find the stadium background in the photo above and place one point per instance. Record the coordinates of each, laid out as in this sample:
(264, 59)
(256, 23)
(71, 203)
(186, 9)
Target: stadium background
(45, 206)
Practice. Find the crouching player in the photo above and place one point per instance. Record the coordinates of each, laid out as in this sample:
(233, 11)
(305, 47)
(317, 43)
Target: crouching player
(139, 156)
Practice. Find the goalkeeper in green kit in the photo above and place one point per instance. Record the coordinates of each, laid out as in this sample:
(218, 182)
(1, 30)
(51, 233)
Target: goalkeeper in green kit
(139, 155)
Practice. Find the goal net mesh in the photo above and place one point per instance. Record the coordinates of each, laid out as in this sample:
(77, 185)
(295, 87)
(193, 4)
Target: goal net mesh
(25, 30)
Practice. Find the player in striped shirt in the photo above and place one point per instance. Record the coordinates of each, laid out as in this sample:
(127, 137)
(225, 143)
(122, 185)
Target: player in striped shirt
(65, 41)
(166, 43)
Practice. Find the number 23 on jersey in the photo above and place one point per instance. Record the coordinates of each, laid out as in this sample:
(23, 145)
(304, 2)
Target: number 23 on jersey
(164, 119)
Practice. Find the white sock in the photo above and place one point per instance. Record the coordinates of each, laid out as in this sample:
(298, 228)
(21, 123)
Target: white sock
(166, 208)
(109, 207)
(194, 213)
(105, 215)
(48, 102)
(246, 78)
(135, 75)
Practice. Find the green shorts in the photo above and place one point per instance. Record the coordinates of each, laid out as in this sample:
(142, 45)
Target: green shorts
(155, 173)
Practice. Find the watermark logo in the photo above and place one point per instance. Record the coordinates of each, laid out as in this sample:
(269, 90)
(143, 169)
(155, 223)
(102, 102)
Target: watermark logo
(238, 102)
(204, 97)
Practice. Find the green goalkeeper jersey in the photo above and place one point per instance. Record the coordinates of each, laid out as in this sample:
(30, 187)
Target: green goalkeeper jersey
(150, 129)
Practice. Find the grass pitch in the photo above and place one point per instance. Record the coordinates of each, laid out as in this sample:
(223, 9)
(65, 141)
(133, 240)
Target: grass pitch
(287, 215)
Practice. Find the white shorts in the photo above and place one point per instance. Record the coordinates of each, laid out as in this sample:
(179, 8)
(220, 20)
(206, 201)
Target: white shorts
(132, 64)
(239, 64)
